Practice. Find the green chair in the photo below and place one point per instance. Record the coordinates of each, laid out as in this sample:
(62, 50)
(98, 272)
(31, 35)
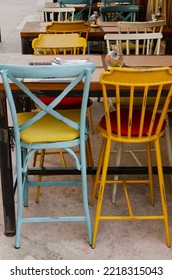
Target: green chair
(119, 13)
(120, 2)
(49, 129)
(79, 14)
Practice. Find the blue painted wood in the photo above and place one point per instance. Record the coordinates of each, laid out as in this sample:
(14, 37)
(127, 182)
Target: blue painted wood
(24, 151)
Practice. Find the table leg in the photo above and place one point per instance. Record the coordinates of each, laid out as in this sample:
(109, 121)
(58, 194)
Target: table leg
(6, 172)
(26, 45)
(168, 49)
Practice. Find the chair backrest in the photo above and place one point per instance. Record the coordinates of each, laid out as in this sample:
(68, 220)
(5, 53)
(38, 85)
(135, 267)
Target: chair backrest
(145, 26)
(120, 2)
(135, 43)
(80, 26)
(79, 15)
(56, 14)
(53, 44)
(131, 122)
(73, 72)
(119, 12)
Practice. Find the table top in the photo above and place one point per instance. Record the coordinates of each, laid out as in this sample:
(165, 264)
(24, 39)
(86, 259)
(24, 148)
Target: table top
(130, 61)
(34, 28)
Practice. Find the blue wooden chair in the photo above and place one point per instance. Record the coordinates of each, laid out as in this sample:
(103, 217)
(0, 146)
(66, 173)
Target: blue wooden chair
(49, 129)
(119, 13)
(80, 13)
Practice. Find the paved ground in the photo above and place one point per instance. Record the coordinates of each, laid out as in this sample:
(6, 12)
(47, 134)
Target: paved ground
(116, 240)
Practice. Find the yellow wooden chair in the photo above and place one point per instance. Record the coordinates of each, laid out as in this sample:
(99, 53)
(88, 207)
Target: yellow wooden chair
(147, 43)
(80, 26)
(72, 43)
(54, 44)
(134, 126)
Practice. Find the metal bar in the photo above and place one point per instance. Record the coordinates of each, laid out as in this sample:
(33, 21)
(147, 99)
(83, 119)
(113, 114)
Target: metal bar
(6, 172)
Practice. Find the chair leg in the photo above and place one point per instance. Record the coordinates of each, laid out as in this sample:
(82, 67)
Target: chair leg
(41, 164)
(85, 192)
(90, 120)
(149, 160)
(118, 161)
(97, 176)
(168, 140)
(20, 199)
(162, 191)
(89, 156)
(101, 191)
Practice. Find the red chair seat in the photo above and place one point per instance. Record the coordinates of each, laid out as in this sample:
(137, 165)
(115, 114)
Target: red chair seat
(67, 103)
(135, 124)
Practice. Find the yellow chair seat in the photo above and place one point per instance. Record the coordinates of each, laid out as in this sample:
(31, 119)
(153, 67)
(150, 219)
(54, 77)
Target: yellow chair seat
(57, 131)
(132, 46)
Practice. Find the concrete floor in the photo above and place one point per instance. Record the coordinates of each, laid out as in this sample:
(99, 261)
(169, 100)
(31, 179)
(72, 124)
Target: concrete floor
(129, 240)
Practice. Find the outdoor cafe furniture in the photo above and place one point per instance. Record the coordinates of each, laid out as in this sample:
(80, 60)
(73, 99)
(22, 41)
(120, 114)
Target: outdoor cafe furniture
(6, 139)
(49, 129)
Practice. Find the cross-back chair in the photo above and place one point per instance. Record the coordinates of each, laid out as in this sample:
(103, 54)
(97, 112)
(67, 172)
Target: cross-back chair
(49, 129)
(133, 126)
(119, 13)
(80, 13)
(56, 14)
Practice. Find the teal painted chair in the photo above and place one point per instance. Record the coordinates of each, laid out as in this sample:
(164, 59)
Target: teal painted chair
(49, 129)
(119, 13)
(79, 14)
(120, 2)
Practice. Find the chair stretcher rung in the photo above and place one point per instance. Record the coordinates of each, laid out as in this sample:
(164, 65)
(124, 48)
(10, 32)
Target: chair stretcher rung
(54, 219)
(131, 218)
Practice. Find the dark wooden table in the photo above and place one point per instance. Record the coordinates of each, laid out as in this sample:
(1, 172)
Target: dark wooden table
(6, 166)
(32, 29)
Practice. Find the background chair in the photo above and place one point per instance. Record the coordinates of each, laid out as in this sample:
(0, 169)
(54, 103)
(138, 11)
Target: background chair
(59, 44)
(119, 13)
(135, 43)
(80, 26)
(56, 14)
(84, 12)
(120, 2)
(134, 126)
(138, 26)
(48, 129)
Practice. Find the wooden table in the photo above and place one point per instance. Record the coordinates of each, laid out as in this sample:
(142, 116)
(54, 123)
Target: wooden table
(95, 90)
(32, 29)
